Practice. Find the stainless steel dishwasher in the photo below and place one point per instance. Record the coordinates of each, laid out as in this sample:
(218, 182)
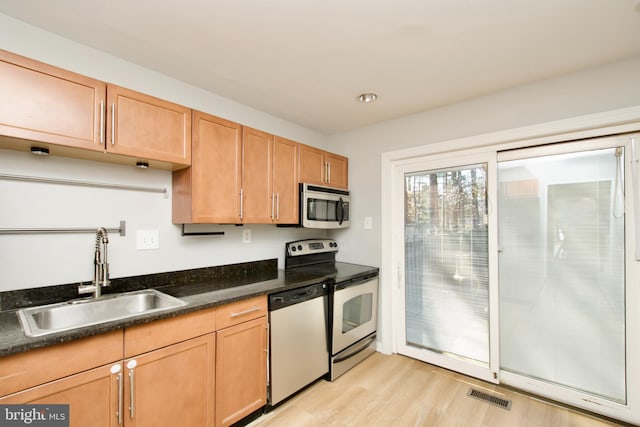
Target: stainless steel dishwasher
(299, 349)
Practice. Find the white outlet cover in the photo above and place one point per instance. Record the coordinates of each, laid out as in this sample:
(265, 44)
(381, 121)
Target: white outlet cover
(368, 222)
(246, 236)
(147, 239)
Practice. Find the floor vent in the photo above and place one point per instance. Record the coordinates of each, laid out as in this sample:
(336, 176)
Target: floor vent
(494, 400)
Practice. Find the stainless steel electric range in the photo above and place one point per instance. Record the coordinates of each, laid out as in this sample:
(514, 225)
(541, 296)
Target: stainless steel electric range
(352, 301)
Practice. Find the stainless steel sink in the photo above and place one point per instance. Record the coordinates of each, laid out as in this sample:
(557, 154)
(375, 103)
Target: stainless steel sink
(49, 319)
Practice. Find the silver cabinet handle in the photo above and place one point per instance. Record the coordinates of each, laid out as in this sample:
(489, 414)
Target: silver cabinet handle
(277, 205)
(120, 396)
(273, 205)
(131, 364)
(131, 393)
(241, 202)
(113, 124)
(268, 355)
(117, 369)
(102, 122)
(326, 172)
(242, 313)
(329, 173)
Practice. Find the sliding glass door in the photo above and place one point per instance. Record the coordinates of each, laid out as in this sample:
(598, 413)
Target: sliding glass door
(446, 266)
(562, 268)
(518, 267)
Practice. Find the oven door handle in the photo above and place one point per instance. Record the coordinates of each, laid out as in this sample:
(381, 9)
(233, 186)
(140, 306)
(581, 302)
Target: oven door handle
(360, 348)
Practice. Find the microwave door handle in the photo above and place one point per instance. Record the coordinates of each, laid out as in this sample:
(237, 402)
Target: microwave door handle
(340, 211)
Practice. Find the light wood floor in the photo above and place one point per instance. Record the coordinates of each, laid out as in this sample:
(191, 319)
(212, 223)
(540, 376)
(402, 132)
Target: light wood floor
(399, 391)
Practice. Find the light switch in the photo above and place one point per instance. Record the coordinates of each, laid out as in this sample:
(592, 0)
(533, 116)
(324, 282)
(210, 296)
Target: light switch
(246, 235)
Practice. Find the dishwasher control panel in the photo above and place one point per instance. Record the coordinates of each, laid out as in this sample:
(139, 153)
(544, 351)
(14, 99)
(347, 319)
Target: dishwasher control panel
(297, 296)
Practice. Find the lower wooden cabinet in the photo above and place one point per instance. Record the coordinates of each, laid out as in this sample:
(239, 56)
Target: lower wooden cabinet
(92, 396)
(173, 372)
(241, 370)
(172, 386)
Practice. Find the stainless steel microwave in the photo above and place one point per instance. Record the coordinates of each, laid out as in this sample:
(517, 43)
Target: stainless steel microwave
(324, 207)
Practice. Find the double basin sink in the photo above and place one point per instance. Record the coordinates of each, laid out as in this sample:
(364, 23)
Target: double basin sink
(65, 316)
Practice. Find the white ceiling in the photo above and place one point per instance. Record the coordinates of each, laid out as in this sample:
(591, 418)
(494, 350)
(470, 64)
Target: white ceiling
(306, 61)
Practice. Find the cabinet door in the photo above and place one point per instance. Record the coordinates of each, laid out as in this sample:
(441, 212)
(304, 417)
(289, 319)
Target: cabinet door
(285, 181)
(337, 170)
(257, 198)
(142, 126)
(92, 396)
(209, 191)
(311, 167)
(173, 386)
(44, 103)
(241, 367)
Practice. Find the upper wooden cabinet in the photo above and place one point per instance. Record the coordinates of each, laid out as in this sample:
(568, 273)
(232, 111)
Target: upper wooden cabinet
(239, 175)
(209, 191)
(285, 181)
(323, 168)
(140, 125)
(337, 174)
(44, 103)
(50, 105)
(257, 158)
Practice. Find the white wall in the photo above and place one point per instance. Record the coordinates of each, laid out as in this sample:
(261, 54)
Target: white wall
(593, 90)
(46, 259)
(40, 260)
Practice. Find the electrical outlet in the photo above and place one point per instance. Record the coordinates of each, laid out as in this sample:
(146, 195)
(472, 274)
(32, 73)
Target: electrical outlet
(246, 235)
(147, 239)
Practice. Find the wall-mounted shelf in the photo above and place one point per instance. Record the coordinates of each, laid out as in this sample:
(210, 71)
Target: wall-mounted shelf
(201, 233)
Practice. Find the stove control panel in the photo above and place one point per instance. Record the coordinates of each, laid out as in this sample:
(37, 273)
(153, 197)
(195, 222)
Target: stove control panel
(311, 246)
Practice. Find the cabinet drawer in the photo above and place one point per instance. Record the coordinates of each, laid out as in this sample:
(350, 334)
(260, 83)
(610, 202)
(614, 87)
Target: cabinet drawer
(241, 311)
(25, 370)
(143, 338)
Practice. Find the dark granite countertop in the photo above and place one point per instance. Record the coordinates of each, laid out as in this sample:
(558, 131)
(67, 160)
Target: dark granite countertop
(199, 288)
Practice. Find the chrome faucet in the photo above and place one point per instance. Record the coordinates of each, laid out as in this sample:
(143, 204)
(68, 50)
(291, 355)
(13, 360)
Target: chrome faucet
(101, 266)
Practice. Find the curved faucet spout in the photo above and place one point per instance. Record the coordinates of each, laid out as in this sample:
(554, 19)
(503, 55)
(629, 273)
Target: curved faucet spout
(101, 265)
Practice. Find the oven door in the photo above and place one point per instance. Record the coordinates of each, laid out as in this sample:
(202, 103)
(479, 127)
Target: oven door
(355, 312)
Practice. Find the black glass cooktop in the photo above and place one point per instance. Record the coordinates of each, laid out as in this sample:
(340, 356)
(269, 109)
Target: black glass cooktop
(339, 271)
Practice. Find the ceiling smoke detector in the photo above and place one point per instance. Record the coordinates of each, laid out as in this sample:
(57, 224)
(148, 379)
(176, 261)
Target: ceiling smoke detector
(367, 97)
